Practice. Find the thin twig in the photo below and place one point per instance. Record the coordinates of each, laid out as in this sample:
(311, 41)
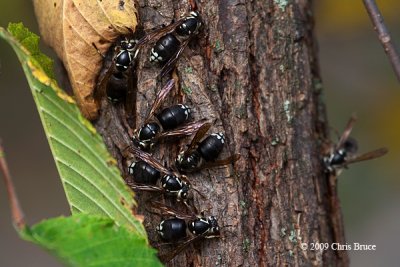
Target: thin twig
(16, 211)
(384, 35)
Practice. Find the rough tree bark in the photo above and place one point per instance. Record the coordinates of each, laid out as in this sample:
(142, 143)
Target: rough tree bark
(254, 70)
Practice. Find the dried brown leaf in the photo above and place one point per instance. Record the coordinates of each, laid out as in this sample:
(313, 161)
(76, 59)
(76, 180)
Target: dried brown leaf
(71, 26)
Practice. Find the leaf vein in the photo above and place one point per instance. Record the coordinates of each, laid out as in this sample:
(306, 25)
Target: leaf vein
(109, 198)
(90, 148)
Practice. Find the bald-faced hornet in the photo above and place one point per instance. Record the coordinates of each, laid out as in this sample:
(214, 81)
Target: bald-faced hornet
(116, 78)
(171, 40)
(174, 229)
(168, 48)
(343, 153)
(171, 183)
(164, 123)
(203, 154)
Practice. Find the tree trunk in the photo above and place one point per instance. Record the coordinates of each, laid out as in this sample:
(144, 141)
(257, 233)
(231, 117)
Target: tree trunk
(253, 70)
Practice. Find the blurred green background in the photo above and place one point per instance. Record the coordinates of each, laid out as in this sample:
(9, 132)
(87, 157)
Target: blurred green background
(357, 78)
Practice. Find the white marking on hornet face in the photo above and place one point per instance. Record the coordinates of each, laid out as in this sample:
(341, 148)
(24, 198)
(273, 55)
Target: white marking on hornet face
(220, 136)
(159, 229)
(153, 55)
(186, 109)
(130, 168)
(180, 155)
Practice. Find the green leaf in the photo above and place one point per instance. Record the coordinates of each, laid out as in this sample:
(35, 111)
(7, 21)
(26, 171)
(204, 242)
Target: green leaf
(83, 240)
(31, 42)
(91, 180)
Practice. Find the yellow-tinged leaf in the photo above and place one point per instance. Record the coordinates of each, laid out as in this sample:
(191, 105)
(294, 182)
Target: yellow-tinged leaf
(92, 185)
(112, 161)
(88, 125)
(41, 76)
(70, 27)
